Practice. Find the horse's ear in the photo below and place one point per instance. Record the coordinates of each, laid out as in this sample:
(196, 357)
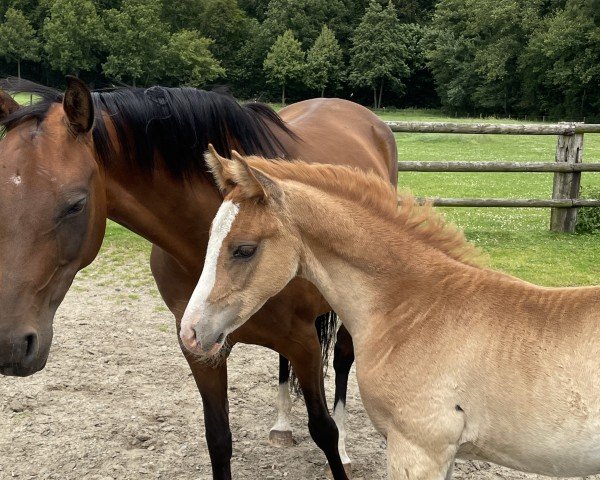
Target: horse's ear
(78, 106)
(220, 167)
(253, 182)
(8, 105)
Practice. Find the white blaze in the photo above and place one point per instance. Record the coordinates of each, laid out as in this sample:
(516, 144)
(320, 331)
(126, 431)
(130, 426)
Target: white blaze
(220, 228)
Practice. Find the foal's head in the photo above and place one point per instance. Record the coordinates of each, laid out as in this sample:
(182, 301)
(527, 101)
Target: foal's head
(252, 254)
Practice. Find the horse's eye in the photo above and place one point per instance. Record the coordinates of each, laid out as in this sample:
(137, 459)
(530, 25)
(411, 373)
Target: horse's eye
(74, 208)
(244, 251)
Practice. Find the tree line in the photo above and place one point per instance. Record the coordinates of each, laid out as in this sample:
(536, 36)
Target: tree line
(536, 57)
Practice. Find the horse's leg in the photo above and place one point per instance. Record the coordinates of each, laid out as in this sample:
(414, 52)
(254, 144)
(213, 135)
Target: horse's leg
(409, 460)
(281, 433)
(212, 384)
(343, 357)
(176, 286)
(305, 356)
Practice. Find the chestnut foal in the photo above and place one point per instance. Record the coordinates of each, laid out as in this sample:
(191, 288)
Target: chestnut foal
(453, 359)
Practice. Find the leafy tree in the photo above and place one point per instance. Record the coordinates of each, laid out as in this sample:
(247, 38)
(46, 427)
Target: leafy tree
(378, 54)
(190, 61)
(303, 17)
(561, 64)
(136, 41)
(72, 35)
(324, 62)
(225, 23)
(284, 62)
(473, 50)
(18, 39)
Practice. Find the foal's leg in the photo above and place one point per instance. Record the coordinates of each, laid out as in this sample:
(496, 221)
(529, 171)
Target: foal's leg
(408, 460)
(305, 355)
(343, 357)
(281, 433)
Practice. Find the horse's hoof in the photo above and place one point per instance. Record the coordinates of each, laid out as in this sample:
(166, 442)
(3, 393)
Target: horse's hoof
(279, 438)
(347, 468)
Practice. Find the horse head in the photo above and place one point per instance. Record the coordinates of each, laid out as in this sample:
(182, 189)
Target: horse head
(52, 219)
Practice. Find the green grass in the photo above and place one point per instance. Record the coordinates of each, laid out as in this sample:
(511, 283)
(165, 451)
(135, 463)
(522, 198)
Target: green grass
(517, 240)
(23, 98)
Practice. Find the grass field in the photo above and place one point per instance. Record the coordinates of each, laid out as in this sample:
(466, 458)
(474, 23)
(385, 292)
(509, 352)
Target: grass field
(517, 240)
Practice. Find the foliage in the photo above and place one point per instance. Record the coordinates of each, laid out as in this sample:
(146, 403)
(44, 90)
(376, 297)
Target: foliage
(588, 218)
(378, 53)
(136, 38)
(19, 41)
(303, 17)
(285, 62)
(517, 57)
(324, 62)
(561, 66)
(190, 61)
(72, 36)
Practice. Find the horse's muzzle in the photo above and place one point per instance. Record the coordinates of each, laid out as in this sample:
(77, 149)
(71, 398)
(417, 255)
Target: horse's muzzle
(20, 354)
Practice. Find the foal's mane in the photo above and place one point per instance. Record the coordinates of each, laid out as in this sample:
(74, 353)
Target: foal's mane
(175, 123)
(376, 195)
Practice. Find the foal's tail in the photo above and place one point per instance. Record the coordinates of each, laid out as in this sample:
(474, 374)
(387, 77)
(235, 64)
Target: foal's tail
(326, 326)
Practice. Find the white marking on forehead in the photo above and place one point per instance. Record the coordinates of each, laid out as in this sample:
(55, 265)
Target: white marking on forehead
(220, 228)
(16, 179)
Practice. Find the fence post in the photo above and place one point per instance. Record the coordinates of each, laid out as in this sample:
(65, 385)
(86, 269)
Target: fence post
(569, 149)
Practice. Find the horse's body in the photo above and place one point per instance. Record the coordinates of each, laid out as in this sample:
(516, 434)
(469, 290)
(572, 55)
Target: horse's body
(453, 359)
(138, 183)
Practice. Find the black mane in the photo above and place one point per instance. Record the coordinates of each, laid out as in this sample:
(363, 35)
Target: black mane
(175, 123)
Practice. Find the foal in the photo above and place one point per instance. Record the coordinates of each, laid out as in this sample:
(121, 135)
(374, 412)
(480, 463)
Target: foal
(452, 359)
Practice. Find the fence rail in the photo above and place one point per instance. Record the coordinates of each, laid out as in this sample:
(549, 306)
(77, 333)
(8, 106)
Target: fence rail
(510, 202)
(497, 167)
(495, 128)
(567, 167)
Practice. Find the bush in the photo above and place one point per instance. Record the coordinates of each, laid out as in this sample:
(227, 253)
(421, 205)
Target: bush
(588, 218)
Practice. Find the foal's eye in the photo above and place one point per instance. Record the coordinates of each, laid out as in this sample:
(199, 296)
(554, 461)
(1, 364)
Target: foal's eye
(244, 251)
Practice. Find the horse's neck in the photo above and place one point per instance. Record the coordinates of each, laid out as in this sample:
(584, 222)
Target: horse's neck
(367, 267)
(174, 215)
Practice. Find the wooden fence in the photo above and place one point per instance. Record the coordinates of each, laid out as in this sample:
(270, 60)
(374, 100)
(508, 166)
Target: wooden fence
(567, 166)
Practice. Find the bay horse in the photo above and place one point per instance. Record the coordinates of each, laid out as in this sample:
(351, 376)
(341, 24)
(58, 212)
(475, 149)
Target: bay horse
(70, 161)
(453, 359)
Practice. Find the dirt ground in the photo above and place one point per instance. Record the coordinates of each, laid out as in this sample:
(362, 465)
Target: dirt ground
(117, 401)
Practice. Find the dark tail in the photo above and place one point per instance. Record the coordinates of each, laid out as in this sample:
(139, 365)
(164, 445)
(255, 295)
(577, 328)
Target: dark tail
(326, 326)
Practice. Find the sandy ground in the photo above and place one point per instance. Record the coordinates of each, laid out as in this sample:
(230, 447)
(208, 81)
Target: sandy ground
(117, 401)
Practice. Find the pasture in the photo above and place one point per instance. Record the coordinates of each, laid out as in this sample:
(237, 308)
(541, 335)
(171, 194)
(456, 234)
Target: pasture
(117, 400)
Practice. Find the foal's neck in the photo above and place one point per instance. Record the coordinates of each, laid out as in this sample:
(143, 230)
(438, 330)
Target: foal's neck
(364, 265)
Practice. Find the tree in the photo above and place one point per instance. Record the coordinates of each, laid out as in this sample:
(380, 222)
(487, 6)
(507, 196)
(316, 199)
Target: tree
(284, 62)
(18, 39)
(561, 64)
(303, 17)
(136, 41)
(324, 62)
(72, 35)
(189, 60)
(473, 50)
(378, 53)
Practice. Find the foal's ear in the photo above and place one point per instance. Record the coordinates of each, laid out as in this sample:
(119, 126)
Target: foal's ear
(253, 182)
(221, 169)
(8, 105)
(78, 106)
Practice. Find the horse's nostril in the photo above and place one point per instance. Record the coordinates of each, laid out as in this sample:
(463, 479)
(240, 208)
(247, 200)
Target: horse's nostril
(32, 346)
